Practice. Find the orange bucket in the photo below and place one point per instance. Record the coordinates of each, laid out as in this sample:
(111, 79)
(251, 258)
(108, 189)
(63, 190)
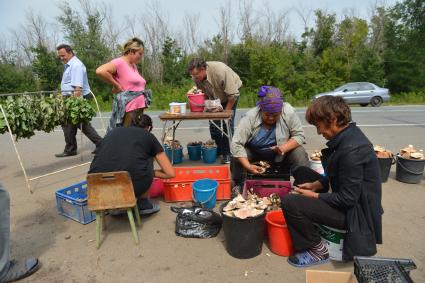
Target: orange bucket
(279, 238)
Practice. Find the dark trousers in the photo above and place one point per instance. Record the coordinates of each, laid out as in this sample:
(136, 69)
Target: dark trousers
(302, 212)
(220, 139)
(70, 132)
(293, 159)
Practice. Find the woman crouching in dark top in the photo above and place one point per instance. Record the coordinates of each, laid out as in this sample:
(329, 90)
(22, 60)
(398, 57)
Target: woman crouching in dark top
(352, 174)
(133, 149)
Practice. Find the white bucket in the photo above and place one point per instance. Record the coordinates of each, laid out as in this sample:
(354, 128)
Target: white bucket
(334, 240)
(317, 166)
(178, 107)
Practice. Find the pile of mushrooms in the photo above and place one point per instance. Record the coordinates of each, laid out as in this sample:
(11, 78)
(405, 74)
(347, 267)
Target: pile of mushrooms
(195, 143)
(409, 152)
(381, 152)
(169, 142)
(264, 166)
(209, 144)
(242, 208)
(316, 155)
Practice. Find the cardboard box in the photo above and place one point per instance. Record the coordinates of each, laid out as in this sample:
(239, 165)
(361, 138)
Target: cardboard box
(324, 276)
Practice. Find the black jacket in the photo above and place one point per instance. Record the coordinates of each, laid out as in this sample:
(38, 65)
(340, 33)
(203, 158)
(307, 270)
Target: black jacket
(354, 176)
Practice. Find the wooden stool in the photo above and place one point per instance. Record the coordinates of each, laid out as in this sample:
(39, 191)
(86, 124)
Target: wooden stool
(112, 190)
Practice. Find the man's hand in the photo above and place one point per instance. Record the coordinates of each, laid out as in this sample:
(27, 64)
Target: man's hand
(77, 91)
(254, 169)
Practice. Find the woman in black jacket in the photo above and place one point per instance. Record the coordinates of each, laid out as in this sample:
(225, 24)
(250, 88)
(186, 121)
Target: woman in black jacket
(352, 173)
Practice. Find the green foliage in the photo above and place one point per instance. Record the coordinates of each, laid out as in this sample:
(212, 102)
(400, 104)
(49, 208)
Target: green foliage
(173, 63)
(19, 115)
(47, 68)
(15, 79)
(78, 110)
(404, 56)
(85, 36)
(389, 51)
(27, 114)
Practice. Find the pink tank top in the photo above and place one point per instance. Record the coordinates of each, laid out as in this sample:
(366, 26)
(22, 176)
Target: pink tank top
(130, 79)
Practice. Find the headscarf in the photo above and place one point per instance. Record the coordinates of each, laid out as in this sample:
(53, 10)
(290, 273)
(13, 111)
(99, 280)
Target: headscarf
(270, 99)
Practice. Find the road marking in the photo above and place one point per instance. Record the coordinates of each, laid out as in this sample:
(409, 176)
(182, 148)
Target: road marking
(304, 126)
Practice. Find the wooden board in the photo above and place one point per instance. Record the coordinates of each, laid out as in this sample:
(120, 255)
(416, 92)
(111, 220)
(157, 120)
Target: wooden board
(110, 191)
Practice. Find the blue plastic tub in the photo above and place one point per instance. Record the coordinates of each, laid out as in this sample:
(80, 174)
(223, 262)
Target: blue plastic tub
(71, 202)
(194, 152)
(178, 154)
(205, 192)
(209, 155)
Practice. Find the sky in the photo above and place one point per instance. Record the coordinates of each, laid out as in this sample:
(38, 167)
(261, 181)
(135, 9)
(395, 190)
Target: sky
(12, 12)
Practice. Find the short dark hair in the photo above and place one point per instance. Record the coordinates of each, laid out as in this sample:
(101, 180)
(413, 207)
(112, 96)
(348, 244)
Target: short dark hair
(326, 108)
(196, 63)
(142, 121)
(67, 48)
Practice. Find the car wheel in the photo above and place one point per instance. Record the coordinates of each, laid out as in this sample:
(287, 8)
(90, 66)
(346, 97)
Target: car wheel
(363, 104)
(376, 101)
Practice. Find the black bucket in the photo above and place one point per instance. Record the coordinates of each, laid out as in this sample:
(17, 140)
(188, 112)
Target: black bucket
(385, 165)
(244, 237)
(409, 170)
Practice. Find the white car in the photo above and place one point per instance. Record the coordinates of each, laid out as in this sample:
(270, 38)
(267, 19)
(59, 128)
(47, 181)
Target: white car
(361, 93)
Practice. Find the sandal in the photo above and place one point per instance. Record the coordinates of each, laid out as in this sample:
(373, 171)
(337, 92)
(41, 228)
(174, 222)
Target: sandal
(20, 269)
(147, 207)
(305, 259)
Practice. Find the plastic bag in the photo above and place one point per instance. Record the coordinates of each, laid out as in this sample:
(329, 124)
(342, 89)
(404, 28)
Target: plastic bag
(196, 222)
(213, 105)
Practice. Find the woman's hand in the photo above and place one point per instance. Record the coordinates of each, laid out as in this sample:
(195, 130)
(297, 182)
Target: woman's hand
(314, 186)
(307, 192)
(278, 149)
(117, 89)
(254, 169)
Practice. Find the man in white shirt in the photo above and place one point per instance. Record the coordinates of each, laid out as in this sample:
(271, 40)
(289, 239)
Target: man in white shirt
(74, 82)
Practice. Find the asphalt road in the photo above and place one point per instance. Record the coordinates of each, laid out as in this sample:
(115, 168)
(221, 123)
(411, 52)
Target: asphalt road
(390, 126)
(66, 248)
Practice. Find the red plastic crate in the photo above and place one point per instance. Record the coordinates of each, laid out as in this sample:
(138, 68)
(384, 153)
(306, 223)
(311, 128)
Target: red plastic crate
(263, 188)
(180, 187)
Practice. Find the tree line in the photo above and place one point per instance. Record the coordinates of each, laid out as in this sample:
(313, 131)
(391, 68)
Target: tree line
(386, 49)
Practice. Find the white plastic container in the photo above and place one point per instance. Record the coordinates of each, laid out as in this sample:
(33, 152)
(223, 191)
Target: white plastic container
(334, 240)
(178, 107)
(317, 166)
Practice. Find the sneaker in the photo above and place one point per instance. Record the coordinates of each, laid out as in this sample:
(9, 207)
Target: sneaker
(306, 259)
(225, 159)
(147, 207)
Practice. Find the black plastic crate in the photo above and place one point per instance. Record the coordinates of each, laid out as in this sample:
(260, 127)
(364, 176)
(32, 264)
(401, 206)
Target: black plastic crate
(382, 270)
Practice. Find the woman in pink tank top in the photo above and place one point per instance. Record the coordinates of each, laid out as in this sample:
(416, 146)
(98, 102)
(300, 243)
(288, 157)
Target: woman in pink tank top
(123, 75)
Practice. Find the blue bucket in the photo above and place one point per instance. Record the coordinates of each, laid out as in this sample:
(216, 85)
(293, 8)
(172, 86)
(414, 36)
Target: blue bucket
(194, 152)
(209, 155)
(205, 192)
(178, 154)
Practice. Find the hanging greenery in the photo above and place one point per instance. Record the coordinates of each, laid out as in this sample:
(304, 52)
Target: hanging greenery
(27, 114)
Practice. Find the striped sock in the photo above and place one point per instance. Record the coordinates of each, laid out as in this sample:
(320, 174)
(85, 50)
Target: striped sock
(319, 251)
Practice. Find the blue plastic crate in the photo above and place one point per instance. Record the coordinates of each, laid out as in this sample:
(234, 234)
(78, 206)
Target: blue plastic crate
(71, 202)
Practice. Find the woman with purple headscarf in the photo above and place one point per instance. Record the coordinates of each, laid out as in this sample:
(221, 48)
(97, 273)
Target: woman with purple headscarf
(270, 132)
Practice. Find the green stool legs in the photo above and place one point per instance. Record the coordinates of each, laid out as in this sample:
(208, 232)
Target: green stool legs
(100, 220)
(132, 224)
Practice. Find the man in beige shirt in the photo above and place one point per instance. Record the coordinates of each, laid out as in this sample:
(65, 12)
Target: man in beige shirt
(217, 81)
